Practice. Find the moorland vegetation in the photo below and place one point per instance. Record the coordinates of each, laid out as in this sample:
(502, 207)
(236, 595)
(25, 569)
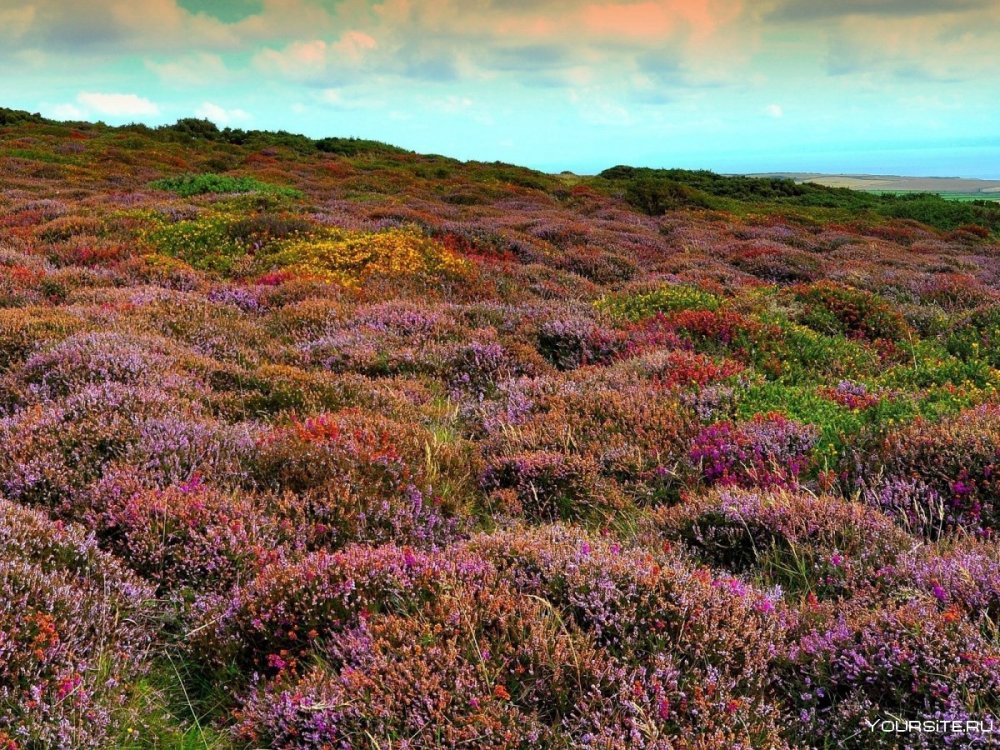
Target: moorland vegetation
(316, 445)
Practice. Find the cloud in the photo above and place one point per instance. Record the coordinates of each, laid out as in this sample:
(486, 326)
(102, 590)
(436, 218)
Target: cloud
(220, 115)
(539, 41)
(595, 108)
(814, 10)
(316, 60)
(118, 105)
(524, 58)
(291, 20)
(300, 61)
(353, 45)
(68, 112)
(341, 100)
(632, 20)
(97, 26)
(322, 43)
(774, 110)
(14, 22)
(198, 69)
(923, 50)
(425, 63)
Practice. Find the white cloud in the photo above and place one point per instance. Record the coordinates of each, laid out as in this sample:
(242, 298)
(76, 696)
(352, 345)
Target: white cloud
(339, 99)
(597, 109)
(200, 69)
(331, 96)
(454, 104)
(774, 110)
(221, 115)
(118, 105)
(68, 112)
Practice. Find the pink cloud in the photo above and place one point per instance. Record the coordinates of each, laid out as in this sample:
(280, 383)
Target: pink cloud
(311, 60)
(649, 19)
(353, 45)
(656, 19)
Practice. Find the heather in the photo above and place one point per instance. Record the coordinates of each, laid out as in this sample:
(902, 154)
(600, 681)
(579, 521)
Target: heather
(324, 444)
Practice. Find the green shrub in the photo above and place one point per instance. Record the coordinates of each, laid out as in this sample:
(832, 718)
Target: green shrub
(666, 299)
(187, 186)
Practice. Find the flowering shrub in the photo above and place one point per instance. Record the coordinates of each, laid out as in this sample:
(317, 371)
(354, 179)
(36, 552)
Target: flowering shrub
(656, 615)
(684, 369)
(22, 330)
(707, 330)
(770, 450)
(908, 662)
(963, 575)
(57, 449)
(203, 243)
(189, 535)
(830, 308)
(851, 395)
(776, 263)
(569, 344)
(544, 486)
(352, 258)
(428, 454)
(481, 368)
(74, 630)
(976, 336)
(957, 459)
(629, 431)
(806, 544)
(92, 358)
(917, 506)
(273, 621)
(352, 482)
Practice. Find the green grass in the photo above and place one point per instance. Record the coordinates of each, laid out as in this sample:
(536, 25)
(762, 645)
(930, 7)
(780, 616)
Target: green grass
(187, 186)
(172, 711)
(36, 155)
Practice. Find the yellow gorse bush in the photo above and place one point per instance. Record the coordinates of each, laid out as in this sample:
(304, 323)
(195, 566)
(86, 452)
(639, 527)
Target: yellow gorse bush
(214, 241)
(349, 257)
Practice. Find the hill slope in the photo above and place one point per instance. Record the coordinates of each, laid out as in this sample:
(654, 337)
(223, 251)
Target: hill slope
(324, 444)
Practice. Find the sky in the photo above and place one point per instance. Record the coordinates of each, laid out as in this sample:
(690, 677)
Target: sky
(906, 87)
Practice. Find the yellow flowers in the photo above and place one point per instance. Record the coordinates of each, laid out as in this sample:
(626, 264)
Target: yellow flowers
(232, 244)
(350, 258)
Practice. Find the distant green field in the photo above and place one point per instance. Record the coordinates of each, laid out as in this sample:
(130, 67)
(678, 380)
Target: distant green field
(948, 196)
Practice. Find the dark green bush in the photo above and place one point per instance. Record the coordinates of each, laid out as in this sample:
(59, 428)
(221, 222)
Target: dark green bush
(187, 186)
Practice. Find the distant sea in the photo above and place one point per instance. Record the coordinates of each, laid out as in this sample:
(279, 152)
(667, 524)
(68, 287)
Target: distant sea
(979, 162)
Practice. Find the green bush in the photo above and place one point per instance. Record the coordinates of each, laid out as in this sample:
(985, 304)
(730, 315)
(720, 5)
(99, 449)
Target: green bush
(187, 186)
(666, 299)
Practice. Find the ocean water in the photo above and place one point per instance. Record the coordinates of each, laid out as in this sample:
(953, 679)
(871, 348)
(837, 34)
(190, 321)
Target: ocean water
(971, 161)
(982, 162)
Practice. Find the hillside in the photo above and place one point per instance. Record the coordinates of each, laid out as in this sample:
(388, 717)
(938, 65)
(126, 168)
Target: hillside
(314, 444)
